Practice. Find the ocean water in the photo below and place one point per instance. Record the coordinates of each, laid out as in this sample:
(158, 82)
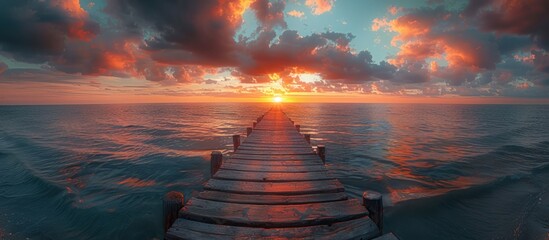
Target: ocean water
(445, 171)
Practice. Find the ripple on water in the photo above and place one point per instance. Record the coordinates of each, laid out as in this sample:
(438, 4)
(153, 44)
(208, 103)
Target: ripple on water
(80, 171)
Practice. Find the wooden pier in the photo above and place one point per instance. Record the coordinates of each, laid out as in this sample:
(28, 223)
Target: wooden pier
(274, 185)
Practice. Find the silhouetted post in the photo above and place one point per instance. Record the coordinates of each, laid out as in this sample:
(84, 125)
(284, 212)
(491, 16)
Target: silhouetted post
(216, 160)
(308, 138)
(373, 201)
(171, 204)
(292, 122)
(248, 131)
(258, 119)
(298, 127)
(254, 124)
(321, 151)
(236, 141)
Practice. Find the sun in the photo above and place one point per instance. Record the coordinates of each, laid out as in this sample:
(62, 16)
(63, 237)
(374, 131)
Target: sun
(277, 99)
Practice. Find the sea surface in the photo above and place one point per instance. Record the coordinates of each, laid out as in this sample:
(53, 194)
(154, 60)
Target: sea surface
(445, 171)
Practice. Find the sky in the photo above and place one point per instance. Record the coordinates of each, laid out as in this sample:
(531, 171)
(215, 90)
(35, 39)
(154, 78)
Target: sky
(395, 51)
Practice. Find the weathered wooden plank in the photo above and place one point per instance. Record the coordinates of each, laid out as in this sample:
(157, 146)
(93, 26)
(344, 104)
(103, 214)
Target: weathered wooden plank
(308, 149)
(266, 129)
(361, 228)
(272, 216)
(263, 199)
(272, 168)
(311, 156)
(274, 163)
(302, 144)
(269, 142)
(278, 144)
(275, 146)
(282, 188)
(271, 176)
(274, 141)
(274, 152)
(276, 134)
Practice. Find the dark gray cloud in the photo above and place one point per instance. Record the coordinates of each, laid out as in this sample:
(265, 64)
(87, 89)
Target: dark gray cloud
(270, 13)
(34, 30)
(3, 67)
(204, 28)
(518, 17)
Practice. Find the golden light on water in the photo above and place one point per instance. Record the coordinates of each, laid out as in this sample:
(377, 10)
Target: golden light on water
(277, 99)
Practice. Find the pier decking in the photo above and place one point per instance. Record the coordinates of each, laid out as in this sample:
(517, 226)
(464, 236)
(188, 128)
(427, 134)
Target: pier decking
(273, 186)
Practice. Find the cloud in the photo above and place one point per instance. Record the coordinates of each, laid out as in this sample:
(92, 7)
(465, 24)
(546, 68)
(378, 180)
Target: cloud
(102, 56)
(270, 13)
(320, 6)
(541, 60)
(326, 53)
(393, 10)
(380, 23)
(295, 13)
(203, 28)
(34, 31)
(517, 17)
(20, 75)
(426, 34)
(480, 49)
(3, 67)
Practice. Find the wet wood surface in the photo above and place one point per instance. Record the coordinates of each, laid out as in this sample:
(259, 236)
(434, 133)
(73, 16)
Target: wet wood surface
(273, 186)
(187, 229)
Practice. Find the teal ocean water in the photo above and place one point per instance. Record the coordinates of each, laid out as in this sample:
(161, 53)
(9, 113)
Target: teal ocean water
(445, 171)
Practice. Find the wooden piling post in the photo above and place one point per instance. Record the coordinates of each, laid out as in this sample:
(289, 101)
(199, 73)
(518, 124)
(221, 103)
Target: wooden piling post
(298, 127)
(216, 160)
(292, 122)
(171, 204)
(248, 131)
(236, 141)
(321, 151)
(308, 138)
(254, 124)
(373, 201)
(258, 119)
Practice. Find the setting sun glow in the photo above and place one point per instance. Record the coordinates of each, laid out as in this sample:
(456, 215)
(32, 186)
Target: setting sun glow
(277, 99)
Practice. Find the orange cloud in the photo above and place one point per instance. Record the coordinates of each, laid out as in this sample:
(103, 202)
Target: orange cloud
(295, 13)
(394, 10)
(380, 23)
(320, 6)
(77, 29)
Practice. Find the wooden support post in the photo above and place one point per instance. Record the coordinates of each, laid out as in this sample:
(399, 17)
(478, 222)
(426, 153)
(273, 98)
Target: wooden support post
(321, 151)
(292, 122)
(258, 119)
(248, 131)
(236, 141)
(298, 127)
(308, 138)
(373, 201)
(171, 204)
(254, 124)
(216, 160)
